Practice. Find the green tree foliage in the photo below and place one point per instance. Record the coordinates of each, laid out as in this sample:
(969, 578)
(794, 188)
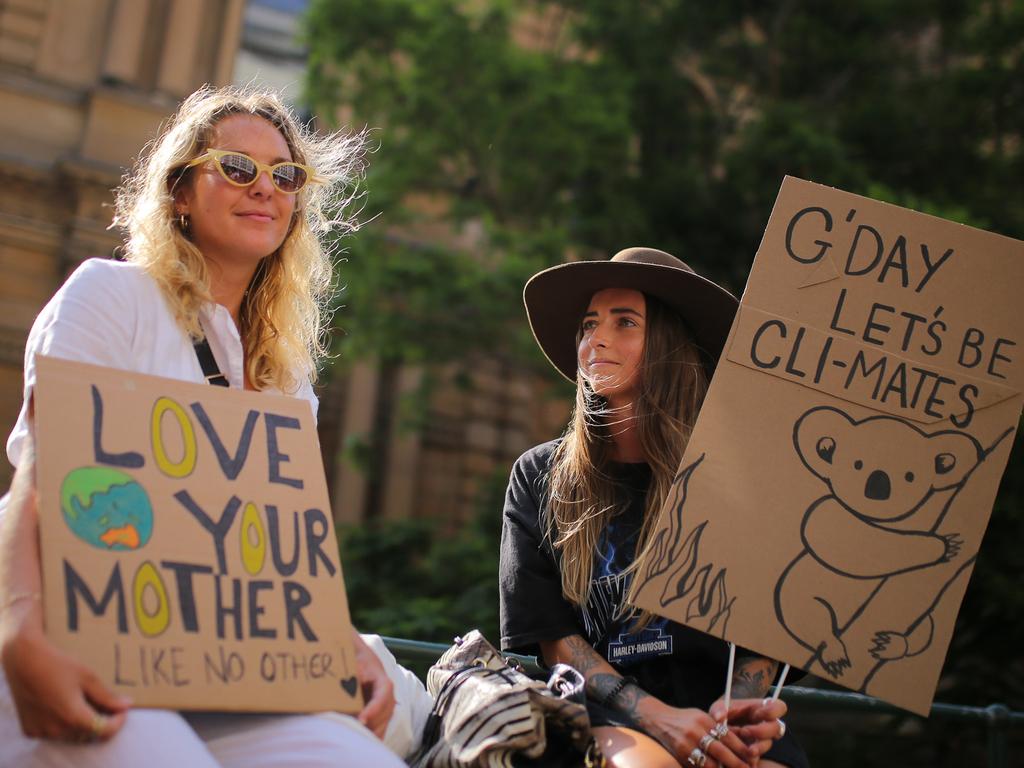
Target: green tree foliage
(668, 123)
(500, 135)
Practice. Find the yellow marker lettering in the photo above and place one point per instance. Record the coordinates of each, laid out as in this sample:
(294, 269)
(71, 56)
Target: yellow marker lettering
(184, 467)
(150, 623)
(254, 539)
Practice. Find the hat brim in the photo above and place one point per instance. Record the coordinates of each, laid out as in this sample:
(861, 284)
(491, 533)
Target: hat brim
(556, 299)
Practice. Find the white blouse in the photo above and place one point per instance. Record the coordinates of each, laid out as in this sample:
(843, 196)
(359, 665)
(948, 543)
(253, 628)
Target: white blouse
(114, 314)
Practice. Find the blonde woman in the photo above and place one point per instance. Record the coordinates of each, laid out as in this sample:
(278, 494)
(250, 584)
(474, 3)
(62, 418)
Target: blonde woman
(223, 262)
(639, 335)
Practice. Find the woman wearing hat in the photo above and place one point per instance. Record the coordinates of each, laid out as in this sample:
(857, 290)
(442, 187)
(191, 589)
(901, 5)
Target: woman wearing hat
(639, 334)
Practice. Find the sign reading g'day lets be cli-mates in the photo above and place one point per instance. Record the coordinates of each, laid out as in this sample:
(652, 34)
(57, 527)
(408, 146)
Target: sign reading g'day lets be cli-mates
(833, 496)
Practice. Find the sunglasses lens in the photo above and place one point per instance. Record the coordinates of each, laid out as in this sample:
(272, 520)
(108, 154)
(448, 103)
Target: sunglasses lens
(238, 168)
(289, 177)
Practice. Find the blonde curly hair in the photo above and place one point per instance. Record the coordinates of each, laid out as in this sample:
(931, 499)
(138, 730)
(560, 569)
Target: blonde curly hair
(283, 315)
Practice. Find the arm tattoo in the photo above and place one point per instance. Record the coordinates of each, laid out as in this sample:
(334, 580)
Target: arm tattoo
(753, 677)
(582, 654)
(600, 685)
(627, 701)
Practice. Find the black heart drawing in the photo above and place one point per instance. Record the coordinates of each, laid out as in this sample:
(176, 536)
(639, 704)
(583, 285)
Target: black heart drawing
(349, 684)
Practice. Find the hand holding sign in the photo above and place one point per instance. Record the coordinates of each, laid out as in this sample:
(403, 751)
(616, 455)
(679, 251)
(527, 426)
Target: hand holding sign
(56, 696)
(875, 358)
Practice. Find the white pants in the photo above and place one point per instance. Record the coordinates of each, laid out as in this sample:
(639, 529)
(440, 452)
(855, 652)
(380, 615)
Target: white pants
(154, 738)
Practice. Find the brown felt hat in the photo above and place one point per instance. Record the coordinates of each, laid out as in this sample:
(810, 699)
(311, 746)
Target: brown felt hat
(557, 298)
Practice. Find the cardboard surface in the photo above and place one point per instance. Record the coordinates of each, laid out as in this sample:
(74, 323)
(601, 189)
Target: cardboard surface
(835, 491)
(188, 552)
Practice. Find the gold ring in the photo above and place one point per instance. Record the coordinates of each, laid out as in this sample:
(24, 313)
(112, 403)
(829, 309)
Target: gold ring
(98, 725)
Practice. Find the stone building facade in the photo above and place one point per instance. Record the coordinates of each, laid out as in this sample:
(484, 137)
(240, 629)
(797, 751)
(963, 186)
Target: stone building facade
(83, 85)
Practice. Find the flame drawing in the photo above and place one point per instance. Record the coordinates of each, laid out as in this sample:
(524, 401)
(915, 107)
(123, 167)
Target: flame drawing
(709, 599)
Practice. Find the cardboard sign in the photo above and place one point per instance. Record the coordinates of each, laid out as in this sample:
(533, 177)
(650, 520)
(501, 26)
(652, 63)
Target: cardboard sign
(830, 506)
(188, 552)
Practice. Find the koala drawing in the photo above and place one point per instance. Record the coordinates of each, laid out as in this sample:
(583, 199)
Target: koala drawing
(888, 488)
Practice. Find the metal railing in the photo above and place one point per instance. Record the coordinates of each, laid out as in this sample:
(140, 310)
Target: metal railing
(997, 719)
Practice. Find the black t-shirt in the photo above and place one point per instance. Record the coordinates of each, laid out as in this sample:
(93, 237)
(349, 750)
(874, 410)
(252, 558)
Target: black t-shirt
(679, 665)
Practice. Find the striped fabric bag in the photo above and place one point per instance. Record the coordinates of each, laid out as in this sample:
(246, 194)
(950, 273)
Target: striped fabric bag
(489, 714)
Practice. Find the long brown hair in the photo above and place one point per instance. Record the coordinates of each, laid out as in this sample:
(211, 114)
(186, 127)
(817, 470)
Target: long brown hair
(581, 495)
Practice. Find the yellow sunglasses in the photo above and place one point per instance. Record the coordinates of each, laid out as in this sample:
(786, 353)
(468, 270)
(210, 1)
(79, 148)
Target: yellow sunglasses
(239, 169)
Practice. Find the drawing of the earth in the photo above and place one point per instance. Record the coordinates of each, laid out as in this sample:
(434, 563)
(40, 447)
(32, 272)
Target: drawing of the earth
(106, 508)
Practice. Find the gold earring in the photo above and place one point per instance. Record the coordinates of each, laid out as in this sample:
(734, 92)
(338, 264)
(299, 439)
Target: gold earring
(183, 223)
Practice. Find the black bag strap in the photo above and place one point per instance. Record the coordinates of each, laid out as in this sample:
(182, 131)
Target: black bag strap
(209, 364)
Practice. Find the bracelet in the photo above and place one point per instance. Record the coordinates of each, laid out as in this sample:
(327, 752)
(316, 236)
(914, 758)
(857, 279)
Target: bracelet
(17, 597)
(616, 689)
